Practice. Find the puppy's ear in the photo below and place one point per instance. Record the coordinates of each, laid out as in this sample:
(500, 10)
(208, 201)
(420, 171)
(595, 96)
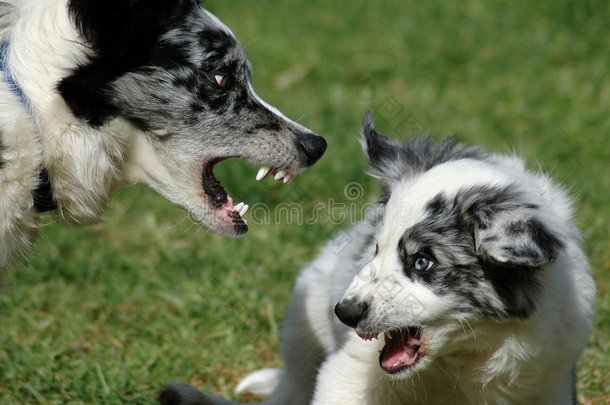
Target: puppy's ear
(382, 152)
(512, 241)
(510, 232)
(392, 161)
(517, 240)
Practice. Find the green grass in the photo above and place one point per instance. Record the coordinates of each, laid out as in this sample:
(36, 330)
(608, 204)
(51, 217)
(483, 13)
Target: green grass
(109, 313)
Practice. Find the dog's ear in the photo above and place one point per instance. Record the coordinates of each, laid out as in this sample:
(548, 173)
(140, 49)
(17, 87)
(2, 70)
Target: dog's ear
(383, 152)
(392, 161)
(517, 240)
(513, 240)
(509, 232)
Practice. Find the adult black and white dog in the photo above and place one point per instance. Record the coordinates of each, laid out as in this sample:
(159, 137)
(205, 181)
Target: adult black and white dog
(95, 94)
(466, 285)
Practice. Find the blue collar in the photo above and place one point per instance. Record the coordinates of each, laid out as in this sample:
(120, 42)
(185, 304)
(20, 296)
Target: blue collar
(8, 77)
(43, 194)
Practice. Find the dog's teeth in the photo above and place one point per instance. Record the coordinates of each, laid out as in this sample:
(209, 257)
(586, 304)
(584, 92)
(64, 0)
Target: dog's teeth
(242, 208)
(279, 175)
(262, 172)
(388, 334)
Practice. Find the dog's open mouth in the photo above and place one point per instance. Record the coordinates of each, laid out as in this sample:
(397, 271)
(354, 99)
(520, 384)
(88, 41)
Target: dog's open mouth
(401, 349)
(222, 202)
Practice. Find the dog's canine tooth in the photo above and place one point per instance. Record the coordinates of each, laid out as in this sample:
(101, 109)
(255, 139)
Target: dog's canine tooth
(243, 209)
(262, 172)
(280, 175)
(239, 206)
(288, 178)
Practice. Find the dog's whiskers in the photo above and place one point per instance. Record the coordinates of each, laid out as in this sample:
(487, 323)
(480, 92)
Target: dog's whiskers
(472, 332)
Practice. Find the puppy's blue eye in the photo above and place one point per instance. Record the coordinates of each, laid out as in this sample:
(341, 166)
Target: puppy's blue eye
(422, 263)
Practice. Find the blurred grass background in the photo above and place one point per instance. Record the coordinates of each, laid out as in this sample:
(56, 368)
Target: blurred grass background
(109, 313)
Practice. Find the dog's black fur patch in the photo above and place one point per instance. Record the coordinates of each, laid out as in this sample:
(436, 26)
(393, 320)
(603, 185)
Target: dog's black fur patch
(43, 195)
(447, 235)
(123, 34)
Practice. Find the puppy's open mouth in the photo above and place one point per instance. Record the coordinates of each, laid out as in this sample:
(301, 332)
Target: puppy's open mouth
(401, 349)
(221, 201)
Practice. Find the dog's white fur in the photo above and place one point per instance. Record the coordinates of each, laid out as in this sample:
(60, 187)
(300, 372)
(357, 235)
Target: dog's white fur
(465, 357)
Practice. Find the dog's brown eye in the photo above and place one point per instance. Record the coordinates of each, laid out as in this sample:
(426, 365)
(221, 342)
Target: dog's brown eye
(222, 80)
(422, 263)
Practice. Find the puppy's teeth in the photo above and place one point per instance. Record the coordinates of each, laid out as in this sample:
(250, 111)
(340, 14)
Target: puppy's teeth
(239, 206)
(388, 334)
(243, 210)
(279, 175)
(262, 172)
(287, 179)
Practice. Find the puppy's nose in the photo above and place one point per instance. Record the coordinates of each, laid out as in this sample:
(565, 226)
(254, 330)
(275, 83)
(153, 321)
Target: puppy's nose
(351, 312)
(313, 146)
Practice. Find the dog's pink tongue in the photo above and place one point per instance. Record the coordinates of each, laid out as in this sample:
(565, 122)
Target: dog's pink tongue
(397, 355)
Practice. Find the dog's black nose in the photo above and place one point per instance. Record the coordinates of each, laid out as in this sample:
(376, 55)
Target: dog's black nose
(351, 312)
(313, 147)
